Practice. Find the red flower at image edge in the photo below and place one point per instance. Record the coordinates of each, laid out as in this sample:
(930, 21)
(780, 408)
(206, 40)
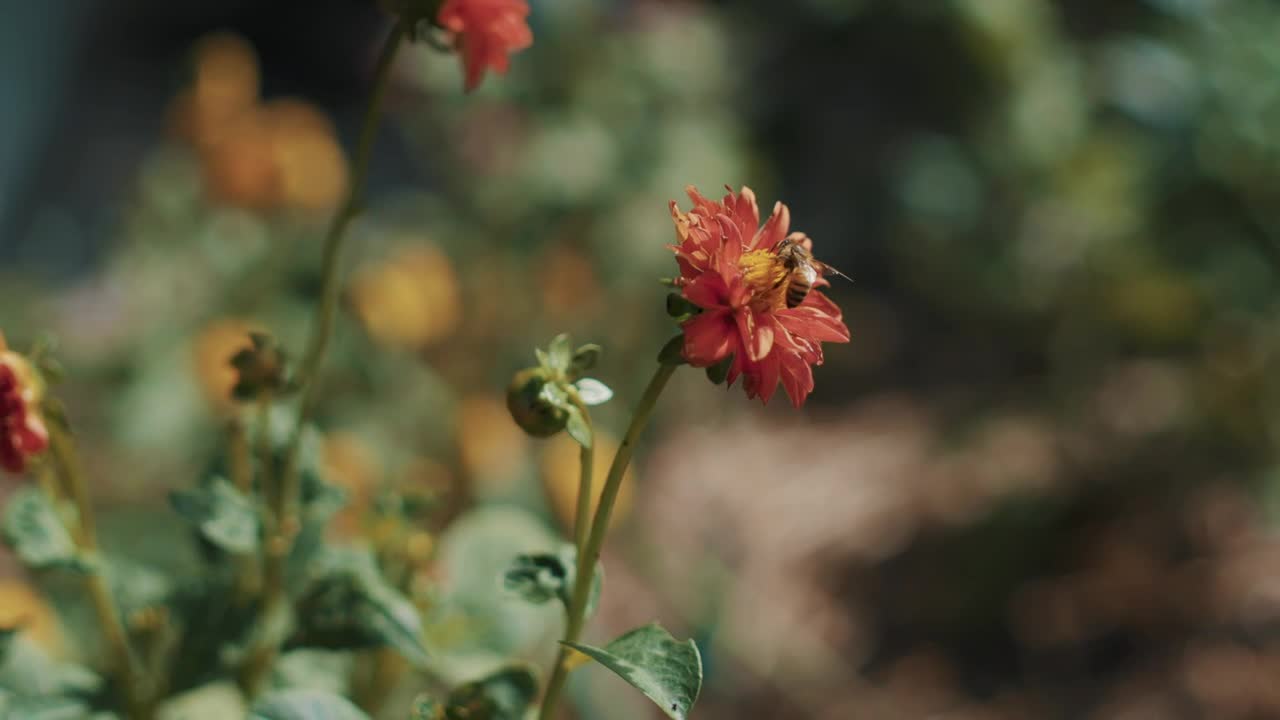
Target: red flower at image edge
(486, 31)
(22, 432)
(729, 267)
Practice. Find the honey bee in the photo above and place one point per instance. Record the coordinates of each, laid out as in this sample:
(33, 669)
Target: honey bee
(802, 269)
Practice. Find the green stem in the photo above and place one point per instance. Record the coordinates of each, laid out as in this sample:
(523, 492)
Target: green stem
(599, 527)
(586, 460)
(123, 663)
(285, 521)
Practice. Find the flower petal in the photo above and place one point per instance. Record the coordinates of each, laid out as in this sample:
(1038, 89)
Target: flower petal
(775, 228)
(767, 377)
(797, 379)
(707, 291)
(813, 325)
(709, 338)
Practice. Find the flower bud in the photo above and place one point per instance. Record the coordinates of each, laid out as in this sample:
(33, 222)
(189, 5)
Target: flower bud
(536, 403)
(260, 369)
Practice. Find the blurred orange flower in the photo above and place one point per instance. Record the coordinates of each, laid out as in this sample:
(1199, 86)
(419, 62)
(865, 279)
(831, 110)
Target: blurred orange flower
(410, 300)
(491, 445)
(354, 466)
(22, 431)
(308, 160)
(21, 606)
(486, 32)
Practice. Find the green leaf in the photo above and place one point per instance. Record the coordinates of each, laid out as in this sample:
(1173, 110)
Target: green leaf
(15, 707)
(593, 392)
(539, 577)
(503, 695)
(560, 353)
(27, 670)
(544, 360)
(578, 427)
(349, 605)
(667, 671)
(301, 704)
(584, 358)
(223, 515)
(673, 352)
(31, 527)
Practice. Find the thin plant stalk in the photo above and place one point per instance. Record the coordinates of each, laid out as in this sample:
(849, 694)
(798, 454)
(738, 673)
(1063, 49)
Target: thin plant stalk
(104, 604)
(240, 465)
(595, 540)
(586, 460)
(286, 496)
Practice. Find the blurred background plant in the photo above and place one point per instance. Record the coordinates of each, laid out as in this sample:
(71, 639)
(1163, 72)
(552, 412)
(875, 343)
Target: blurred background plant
(1040, 482)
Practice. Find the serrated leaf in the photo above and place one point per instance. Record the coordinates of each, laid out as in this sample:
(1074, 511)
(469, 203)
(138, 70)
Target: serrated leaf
(222, 514)
(349, 605)
(31, 527)
(539, 577)
(303, 704)
(667, 671)
(503, 695)
(593, 392)
(559, 353)
(578, 428)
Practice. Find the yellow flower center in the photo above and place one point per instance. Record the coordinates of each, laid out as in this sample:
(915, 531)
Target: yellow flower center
(766, 276)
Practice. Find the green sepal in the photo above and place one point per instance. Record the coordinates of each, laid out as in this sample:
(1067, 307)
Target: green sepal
(578, 427)
(560, 353)
(593, 392)
(679, 307)
(719, 372)
(584, 359)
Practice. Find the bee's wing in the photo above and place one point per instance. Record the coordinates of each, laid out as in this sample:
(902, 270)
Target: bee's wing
(826, 269)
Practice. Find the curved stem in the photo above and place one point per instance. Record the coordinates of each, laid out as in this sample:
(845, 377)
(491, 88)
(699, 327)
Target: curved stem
(104, 604)
(595, 540)
(285, 521)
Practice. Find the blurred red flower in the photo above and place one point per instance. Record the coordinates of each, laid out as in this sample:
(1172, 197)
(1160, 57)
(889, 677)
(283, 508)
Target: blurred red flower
(22, 432)
(486, 31)
(731, 269)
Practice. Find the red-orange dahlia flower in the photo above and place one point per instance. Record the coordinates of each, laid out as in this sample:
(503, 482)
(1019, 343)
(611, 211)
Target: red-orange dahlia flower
(22, 431)
(730, 268)
(486, 32)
